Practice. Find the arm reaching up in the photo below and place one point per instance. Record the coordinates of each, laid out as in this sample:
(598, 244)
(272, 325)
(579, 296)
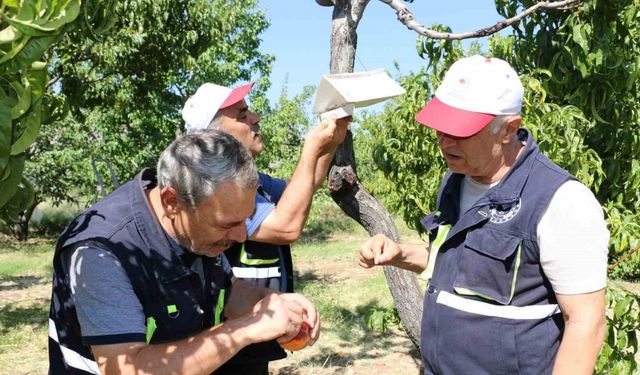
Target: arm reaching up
(284, 224)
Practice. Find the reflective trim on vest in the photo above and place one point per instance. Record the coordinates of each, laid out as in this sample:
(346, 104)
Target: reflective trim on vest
(255, 262)
(256, 273)
(71, 358)
(217, 315)
(506, 312)
(151, 328)
(443, 230)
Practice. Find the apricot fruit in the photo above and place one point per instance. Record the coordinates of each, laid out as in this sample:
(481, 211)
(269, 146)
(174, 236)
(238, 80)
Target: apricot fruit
(300, 341)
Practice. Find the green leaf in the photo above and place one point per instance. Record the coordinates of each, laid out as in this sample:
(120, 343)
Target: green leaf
(23, 94)
(67, 14)
(39, 20)
(11, 3)
(579, 36)
(9, 34)
(15, 49)
(31, 126)
(5, 130)
(9, 186)
(38, 65)
(376, 321)
(20, 201)
(29, 53)
(420, 46)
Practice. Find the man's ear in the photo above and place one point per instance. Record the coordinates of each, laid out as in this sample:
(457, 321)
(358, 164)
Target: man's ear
(170, 201)
(510, 129)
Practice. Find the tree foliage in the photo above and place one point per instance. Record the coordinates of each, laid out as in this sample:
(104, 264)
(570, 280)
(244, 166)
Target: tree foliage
(27, 30)
(109, 99)
(283, 127)
(124, 90)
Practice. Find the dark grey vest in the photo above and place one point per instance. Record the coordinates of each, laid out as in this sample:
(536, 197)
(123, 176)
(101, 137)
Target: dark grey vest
(489, 309)
(175, 302)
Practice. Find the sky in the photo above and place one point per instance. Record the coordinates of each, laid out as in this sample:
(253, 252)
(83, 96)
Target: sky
(300, 32)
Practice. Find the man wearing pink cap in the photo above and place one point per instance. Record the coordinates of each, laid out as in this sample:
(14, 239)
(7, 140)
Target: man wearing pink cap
(517, 253)
(282, 206)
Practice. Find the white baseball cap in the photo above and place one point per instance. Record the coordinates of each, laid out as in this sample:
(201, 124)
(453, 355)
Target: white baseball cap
(473, 92)
(202, 106)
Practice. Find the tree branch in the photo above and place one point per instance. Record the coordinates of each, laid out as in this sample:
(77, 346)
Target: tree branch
(52, 82)
(622, 258)
(406, 17)
(357, 9)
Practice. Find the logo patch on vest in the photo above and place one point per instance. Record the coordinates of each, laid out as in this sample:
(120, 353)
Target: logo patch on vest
(502, 213)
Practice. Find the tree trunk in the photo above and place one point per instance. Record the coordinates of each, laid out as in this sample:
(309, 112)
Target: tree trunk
(347, 191)
(20, 230)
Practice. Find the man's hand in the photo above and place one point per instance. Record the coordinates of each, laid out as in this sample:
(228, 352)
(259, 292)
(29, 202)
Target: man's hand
(273, 317)
(311, 315)
(280, 316)
(379, 250)
(327, 135)
(276, 316)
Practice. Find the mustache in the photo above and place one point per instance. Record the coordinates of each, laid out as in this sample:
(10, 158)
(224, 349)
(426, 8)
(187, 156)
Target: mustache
(224, 243)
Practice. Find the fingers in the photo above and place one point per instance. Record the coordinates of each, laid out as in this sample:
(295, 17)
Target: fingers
(379, 250)
(366, 257)
(309, 314)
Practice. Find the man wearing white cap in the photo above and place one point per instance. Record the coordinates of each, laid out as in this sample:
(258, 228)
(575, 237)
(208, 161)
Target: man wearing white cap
(282, 206)
(517, 254)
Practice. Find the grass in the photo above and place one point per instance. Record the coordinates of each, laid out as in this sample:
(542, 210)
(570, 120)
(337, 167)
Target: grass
(347, 297)
(25, 273)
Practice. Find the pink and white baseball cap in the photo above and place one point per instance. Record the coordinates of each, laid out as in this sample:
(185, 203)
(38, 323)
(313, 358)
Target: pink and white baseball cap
(473, 92)
(202, 106)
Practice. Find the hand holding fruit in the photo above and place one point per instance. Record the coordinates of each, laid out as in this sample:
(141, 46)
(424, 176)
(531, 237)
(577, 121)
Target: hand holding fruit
(300, 341)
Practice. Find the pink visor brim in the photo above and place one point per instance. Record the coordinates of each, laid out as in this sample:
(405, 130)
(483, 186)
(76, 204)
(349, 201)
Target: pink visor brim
(450, 120)
(237, 95)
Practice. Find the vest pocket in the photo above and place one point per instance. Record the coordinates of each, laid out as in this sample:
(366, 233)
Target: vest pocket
(488, 266)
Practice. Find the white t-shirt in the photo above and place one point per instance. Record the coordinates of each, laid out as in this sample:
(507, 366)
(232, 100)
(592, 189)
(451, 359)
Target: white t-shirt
(572, 235)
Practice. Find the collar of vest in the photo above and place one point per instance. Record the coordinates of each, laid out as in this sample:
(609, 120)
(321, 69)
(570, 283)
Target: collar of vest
(510, 187)
(158, 249)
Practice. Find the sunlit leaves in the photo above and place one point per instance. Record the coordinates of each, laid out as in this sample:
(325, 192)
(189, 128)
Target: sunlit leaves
(28, 29)
(621, 341)
(124, 89)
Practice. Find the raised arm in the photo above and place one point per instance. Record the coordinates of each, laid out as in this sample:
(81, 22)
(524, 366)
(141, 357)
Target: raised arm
(284, 224)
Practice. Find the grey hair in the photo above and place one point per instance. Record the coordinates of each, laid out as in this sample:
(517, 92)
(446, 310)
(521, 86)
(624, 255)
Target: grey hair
(196, 164)
(216, 121)
(496, 125)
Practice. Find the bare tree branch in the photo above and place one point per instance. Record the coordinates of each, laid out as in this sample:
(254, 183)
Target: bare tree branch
(53, 81)
(406, 17)
(357, 9)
